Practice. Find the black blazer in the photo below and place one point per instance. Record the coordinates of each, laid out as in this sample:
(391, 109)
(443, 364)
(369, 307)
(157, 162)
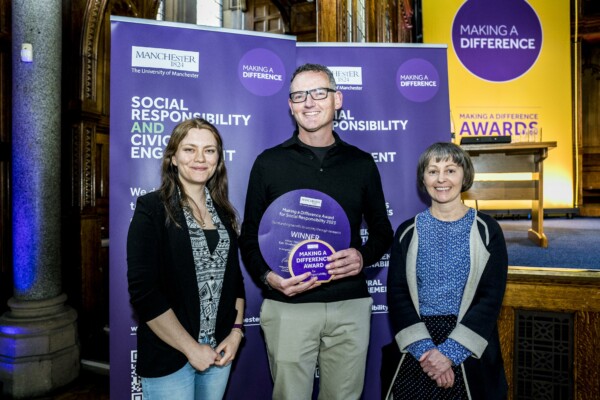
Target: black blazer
(161, 276)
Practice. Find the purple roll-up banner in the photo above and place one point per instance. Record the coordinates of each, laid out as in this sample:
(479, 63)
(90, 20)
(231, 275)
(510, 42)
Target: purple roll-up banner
(303, 216)
(395, 104)
(161, 74)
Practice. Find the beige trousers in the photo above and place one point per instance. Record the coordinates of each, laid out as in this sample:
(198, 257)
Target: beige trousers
(334, 335)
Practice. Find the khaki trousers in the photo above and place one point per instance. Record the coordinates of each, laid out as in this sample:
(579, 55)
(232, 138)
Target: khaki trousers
(336, 335)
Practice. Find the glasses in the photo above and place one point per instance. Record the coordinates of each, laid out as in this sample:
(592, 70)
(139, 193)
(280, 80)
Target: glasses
(316, 94)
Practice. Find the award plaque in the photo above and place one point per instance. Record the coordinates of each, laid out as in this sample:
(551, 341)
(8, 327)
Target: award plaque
(310, 256)
(299, 230)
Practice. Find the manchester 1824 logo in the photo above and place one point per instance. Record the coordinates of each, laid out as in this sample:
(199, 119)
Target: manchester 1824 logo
(170, 59)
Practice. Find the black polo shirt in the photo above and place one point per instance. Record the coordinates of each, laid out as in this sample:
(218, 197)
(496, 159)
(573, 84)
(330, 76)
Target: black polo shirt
(347, 174)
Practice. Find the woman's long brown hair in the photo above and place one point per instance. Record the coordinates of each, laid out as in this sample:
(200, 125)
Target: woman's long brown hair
(217, 184)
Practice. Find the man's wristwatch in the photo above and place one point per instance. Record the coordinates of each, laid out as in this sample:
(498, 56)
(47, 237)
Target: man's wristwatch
(264, 280)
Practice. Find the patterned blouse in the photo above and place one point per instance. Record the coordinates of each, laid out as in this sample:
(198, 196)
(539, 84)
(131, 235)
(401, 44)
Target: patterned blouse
(443, 264)
(210, 269)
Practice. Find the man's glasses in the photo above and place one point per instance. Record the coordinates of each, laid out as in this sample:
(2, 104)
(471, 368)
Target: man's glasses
(316, 94)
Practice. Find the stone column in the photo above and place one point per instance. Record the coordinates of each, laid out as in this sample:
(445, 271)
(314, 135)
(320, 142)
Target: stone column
(38, 336)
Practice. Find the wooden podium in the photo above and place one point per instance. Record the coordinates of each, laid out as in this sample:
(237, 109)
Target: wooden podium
(521, 157)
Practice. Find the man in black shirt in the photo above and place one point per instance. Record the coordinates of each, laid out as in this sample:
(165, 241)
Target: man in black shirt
(305, 322)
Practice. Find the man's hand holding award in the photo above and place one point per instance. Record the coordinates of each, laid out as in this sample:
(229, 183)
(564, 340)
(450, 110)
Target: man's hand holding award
(299, 230)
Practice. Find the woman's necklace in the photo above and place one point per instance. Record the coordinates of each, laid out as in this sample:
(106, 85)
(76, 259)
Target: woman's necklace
(198, 213)
(202, 223)
(201, 218)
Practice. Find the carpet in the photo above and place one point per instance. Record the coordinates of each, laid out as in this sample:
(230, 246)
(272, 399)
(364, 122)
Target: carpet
(572, 243)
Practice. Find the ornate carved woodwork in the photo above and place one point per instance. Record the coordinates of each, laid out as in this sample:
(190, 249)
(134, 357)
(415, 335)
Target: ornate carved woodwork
(87, 62)
(264, 16)
(386, 21)
(303, 23)
(557, 291)
(405, 34)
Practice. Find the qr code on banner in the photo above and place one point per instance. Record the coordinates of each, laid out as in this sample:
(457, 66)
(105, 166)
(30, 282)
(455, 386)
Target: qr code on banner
(136, 383)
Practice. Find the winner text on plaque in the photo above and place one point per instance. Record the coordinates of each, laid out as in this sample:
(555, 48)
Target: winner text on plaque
(299, 230)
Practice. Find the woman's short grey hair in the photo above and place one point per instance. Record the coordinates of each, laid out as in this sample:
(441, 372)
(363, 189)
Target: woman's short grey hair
(443, 151)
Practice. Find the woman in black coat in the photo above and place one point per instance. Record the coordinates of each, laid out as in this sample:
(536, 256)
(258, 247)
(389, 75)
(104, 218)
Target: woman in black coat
(185, 282)
(446, 282)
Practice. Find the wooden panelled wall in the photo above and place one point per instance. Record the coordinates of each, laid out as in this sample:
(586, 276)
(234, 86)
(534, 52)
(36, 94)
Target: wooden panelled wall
(551, 290)
(587, 40)
(387, 21)
(86, 52)
(264, 16)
